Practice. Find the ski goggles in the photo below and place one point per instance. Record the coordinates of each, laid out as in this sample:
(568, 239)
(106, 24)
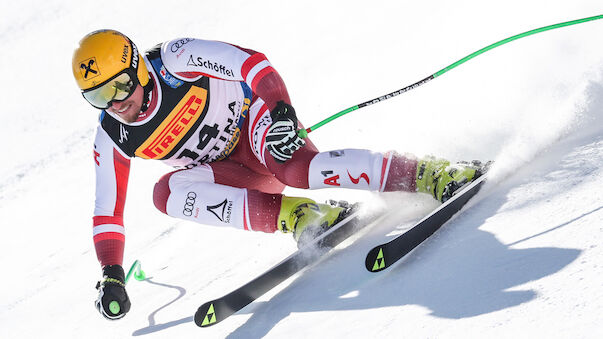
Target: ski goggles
(118, 88)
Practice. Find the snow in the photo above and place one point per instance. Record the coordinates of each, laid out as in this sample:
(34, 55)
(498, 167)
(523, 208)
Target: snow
(524, 260)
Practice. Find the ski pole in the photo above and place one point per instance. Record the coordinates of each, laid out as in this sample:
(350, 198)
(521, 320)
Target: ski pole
(137, 271)
(303, 133)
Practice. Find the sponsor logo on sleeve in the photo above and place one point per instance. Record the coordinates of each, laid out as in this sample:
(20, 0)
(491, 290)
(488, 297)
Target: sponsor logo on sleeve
(210, 65)
(176, 45)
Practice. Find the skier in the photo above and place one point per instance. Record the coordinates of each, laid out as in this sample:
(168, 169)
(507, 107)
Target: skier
(222, 115)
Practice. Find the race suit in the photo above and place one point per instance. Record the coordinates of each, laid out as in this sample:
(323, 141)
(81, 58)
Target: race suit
(208, 114)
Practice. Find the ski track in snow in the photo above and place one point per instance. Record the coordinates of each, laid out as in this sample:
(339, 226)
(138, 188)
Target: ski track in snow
(522, 259)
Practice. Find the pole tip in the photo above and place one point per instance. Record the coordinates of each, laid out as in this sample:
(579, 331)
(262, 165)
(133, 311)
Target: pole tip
(140, 276)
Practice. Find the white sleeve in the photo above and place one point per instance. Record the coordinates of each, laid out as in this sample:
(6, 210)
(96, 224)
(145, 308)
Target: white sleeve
(112, 172)
(189, 59)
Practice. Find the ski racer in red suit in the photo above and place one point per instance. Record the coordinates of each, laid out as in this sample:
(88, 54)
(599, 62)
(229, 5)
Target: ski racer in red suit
(222, 116)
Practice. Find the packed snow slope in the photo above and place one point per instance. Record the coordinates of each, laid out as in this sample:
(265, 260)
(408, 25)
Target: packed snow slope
(523, 260)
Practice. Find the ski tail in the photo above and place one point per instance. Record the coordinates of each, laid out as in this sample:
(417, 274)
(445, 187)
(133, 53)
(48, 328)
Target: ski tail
(206, 315)
(385, 255)
(375, 259)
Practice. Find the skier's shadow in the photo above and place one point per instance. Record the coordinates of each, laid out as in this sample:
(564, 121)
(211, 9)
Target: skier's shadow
(454, 278)
(465, 278)
(153, 326)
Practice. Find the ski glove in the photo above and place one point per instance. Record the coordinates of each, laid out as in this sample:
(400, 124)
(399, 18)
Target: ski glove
(113, 302)
(282, 139)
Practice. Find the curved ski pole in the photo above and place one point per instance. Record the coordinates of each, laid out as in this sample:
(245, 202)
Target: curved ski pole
(137, 271)
(303, 133)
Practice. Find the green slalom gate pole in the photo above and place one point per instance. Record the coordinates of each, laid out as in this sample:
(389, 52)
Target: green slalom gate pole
(137, 271)
(303, 133)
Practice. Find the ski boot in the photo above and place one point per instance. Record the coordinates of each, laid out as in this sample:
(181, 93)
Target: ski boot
(307, 219)
(441, 179)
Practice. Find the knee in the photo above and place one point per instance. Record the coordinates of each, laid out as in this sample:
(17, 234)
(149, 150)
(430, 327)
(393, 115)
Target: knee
(161, 192)
(294, 172)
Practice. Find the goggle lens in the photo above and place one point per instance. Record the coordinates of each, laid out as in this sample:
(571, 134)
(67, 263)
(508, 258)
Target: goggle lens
(116, 89)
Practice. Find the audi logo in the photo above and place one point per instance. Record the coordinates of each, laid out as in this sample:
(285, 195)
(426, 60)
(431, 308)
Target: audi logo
(189, 204)
(176, 45)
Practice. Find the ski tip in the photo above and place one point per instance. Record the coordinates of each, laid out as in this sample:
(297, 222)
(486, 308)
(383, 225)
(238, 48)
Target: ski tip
(206, 315)
(375, 260)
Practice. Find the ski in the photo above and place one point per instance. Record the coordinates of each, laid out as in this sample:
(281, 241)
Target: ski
(387, 254)
(214, 311)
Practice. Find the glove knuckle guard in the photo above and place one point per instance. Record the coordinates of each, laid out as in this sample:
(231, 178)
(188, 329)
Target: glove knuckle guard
(282, 139)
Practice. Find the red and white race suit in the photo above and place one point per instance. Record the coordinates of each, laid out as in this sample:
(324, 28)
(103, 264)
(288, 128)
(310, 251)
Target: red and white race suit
(208, 114)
